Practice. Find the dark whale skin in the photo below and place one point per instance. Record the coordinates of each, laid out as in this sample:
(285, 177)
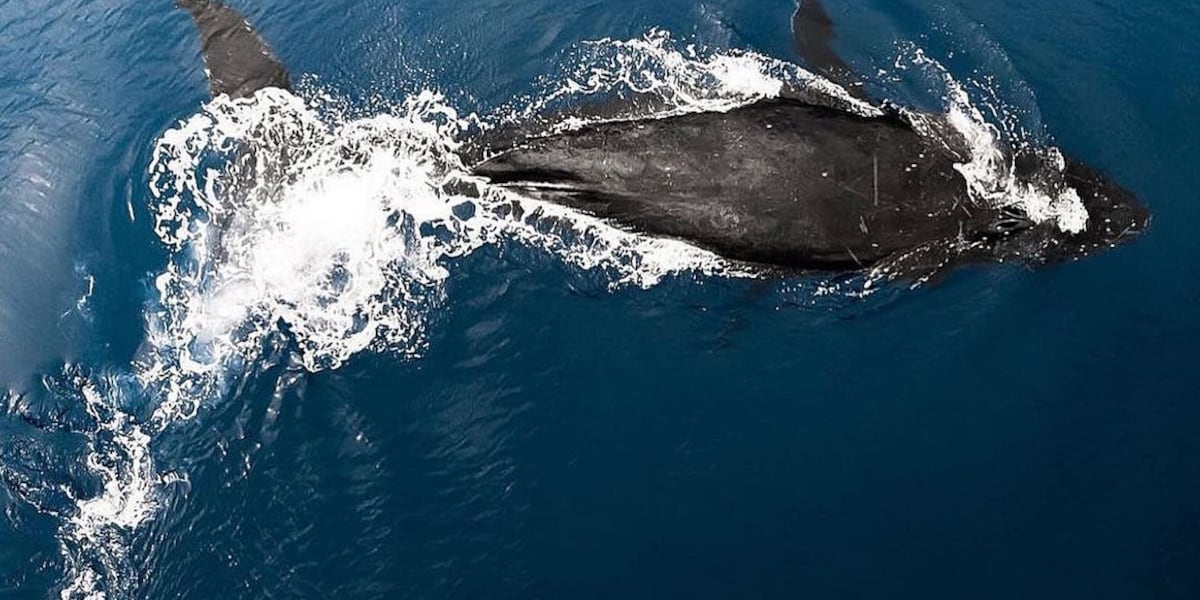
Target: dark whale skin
(778, 182)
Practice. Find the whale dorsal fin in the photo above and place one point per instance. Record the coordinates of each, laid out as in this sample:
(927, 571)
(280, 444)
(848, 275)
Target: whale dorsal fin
(813, 32)
(238, 61)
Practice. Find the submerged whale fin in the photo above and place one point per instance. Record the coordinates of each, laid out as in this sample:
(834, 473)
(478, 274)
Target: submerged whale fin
(813, 32)
(238, 61)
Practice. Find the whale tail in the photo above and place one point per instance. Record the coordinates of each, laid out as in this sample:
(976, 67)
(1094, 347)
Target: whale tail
(239, 62)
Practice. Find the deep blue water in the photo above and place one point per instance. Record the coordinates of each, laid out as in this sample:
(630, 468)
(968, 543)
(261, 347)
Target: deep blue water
(1005, 433)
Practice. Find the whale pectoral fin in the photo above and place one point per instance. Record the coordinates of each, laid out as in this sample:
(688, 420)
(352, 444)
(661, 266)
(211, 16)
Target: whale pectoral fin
(813, 34)
(927, 264)
(238, 61)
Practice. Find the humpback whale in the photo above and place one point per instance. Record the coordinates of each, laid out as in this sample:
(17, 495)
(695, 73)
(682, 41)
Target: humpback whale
(783, 183)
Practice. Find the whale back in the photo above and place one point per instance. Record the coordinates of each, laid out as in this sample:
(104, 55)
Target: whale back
(238, 61)
(779, 182)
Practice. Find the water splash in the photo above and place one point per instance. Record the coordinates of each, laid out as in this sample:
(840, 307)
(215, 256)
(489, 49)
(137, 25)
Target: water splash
(657, 76)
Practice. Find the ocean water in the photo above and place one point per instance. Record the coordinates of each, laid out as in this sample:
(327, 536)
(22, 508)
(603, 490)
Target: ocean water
(366, 383)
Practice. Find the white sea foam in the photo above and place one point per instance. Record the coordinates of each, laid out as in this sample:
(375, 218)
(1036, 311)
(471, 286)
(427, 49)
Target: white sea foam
(677, 78)
(95, 538)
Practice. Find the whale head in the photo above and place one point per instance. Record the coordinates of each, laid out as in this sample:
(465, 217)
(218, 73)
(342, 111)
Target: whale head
(1114, 217)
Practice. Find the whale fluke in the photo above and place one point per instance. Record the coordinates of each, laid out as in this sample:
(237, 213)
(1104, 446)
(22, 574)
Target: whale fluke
(238, 61)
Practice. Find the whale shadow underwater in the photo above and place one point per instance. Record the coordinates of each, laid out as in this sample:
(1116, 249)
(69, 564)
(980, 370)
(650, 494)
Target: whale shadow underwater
(784, 183)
